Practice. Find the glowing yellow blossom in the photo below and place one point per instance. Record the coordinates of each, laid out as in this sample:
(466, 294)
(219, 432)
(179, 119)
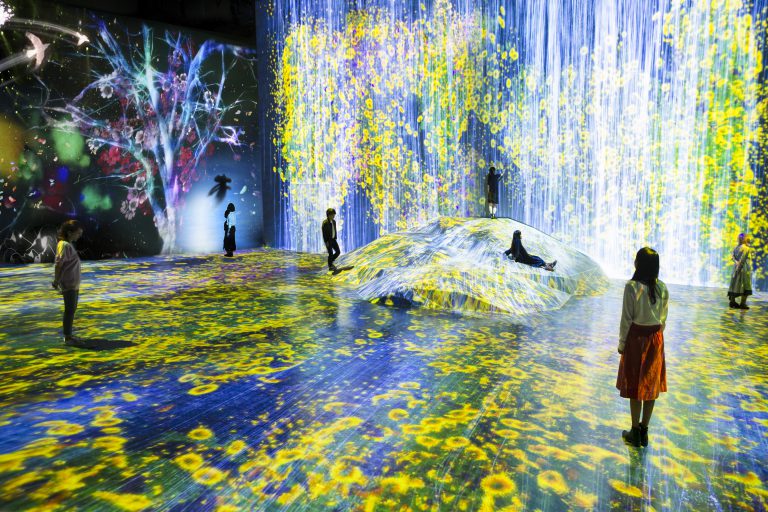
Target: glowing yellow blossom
(189, 461)
(347, 474)
(455, 442)
(61, 428)
(208, 476)
(129, 502)
(204, 389)
(498, 485)
(629, 490)
(200, 434)
(553, 481)
(236, 447)
(398, 414)
(109, 443)
(401, 484)
(427, 441)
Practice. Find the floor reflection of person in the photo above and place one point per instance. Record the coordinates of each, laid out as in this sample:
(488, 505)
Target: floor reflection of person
(642, 369)
(329, 237)
(517, 253)
(66, 277)
(230, 220)
(741, 280)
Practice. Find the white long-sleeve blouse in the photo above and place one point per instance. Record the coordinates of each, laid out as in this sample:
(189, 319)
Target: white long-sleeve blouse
(637, 308)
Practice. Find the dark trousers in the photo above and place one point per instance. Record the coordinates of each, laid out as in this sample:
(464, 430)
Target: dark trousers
(70, 306)
(333, 251)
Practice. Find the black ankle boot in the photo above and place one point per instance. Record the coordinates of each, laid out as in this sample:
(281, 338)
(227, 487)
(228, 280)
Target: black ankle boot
(631, 437)
(643, 435)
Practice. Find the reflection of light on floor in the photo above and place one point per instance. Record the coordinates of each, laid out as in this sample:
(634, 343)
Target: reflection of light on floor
(259, 383)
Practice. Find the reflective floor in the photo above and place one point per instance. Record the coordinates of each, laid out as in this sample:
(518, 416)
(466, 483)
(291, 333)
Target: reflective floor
(256, 383)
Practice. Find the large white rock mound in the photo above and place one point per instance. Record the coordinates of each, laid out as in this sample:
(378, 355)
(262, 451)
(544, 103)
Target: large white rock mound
(457, 264)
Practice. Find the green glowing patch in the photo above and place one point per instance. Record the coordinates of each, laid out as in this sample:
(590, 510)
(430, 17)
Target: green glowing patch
(69, 146)
(93, 200)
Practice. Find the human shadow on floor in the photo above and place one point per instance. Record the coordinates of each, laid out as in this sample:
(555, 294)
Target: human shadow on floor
(103, 344)
(342, 269)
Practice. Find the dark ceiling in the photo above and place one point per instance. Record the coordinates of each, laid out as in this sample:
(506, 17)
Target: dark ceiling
(231, 19)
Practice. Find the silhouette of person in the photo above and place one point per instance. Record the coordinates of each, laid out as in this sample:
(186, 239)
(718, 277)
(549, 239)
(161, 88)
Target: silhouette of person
(329, 237)
(229, 230)
(221, 187)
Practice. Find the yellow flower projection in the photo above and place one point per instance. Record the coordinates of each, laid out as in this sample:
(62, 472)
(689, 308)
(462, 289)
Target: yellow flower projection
(498, 485)
(652, 134)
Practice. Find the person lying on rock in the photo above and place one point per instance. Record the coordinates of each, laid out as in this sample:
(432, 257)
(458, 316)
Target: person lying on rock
(517, 252)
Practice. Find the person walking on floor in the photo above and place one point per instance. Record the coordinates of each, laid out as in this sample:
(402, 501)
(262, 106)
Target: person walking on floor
(741, 280)
(229, 230)
(492, 188)
(66, 277)
(642, 370)
(329, 237)
(518, 253)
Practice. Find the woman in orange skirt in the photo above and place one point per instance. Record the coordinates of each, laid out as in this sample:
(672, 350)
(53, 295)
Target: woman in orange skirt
(642, 371)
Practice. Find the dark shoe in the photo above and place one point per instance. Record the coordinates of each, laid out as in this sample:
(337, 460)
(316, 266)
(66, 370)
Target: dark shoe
(643, 435)
(631, 437)
(743, 306)
(74, 341)
(332, 269)
(733, 304)
(553, 264)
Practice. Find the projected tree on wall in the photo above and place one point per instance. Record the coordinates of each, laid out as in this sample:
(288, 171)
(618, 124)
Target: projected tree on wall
(150, 127)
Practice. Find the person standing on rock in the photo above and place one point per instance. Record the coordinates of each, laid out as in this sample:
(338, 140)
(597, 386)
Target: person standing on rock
(329, 237)
(518, 253)
(492, 189)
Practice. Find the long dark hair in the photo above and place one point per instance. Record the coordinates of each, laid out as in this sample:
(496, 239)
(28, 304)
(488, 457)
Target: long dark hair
(67, 228)
(230, 209)
(647, 270)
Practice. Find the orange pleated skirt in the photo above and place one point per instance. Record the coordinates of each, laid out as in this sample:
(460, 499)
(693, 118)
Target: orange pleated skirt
(642, 370)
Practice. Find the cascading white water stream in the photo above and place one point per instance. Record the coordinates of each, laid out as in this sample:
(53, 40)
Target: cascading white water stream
(620, 123)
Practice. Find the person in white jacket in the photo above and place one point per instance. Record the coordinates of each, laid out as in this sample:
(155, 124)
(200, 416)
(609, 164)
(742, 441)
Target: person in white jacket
(66, 276)
(642, 369)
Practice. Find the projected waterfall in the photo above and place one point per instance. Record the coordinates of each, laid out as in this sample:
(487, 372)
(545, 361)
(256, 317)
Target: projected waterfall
(619, 124)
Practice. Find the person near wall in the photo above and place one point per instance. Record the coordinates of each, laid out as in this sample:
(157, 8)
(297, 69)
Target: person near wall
(517, 252)
(741, 280)
(642, 369)
(329, 237)
(230, 220)
(66, 277)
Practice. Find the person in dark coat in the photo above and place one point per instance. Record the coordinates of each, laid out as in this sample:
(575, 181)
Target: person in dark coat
(329, 237)
(518, 253)
(492, 186)
(229, 230)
